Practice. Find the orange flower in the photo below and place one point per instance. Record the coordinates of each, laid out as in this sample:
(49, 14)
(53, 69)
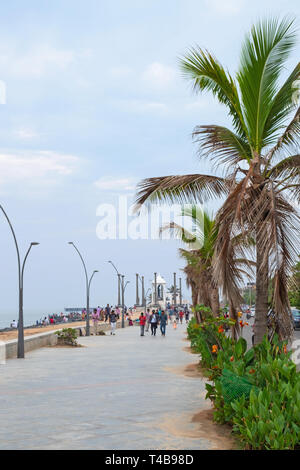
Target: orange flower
(251, 371)
(284, 349)
(221, 329)
(214, 348)
(231, 359)
(240, 314)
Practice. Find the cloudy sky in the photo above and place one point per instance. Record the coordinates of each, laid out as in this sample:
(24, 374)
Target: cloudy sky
(94, 103)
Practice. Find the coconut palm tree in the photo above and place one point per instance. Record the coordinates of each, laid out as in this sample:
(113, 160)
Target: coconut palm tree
(260, 159)
(199, 257)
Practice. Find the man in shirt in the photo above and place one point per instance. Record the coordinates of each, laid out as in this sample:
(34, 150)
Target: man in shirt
(163, 323)
(142, 323)
(113, 322)
(153, 322)
(107, 312)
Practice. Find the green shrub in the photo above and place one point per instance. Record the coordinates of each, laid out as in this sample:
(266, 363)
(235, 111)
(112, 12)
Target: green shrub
(67, 336)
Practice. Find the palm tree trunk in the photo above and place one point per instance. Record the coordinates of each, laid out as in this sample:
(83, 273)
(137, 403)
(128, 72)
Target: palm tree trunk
(233, 314)
(194, 295)
(261, 307)
(214, 300)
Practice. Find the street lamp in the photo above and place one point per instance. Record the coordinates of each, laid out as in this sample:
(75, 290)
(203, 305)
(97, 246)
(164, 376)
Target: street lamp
(119, 282)
(142, 279)
(123, 302)
(149, 288)
(88, 285)
(21, 348)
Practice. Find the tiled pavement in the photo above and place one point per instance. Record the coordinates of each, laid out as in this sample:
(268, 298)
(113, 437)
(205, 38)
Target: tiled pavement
(117, 392)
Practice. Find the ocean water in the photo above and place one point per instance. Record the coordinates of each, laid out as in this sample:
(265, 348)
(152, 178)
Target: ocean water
(30, 317)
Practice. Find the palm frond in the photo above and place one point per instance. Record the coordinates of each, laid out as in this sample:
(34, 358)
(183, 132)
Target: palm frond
(288, 168)
(181, 189)
(289, 137)
(264, 54)
(207, 74)
(283, 106)
(221, 145)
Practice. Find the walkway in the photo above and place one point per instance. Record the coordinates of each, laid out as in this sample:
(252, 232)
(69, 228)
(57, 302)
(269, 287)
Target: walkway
(117, 392)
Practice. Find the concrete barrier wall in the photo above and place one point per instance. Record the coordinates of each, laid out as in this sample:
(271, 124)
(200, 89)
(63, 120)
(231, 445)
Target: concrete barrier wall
(48, 338)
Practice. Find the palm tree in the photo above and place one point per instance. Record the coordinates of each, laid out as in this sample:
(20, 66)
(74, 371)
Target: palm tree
(260, 158)
(199, 257)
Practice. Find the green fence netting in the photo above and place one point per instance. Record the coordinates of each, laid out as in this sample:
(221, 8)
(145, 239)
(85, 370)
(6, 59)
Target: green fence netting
(234, 386)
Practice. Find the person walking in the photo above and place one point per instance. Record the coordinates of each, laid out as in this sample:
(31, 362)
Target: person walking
(107, 312)
(113, 322)
(95, 318)
(118, 312)
(163, 323)
(181, 314)
(187, 316)
(147, 319)
(142, 320)
(153, 322)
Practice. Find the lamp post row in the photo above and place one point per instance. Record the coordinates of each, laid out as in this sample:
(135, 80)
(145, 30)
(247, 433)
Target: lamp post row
(121, 288)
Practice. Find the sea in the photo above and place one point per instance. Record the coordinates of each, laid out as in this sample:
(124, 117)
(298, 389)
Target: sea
(30, 316)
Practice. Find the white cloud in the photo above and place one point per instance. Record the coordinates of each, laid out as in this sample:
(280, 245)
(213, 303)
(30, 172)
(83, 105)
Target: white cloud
(25, 133)
(35, 167)
(226, 6)
(40, 60)
(115, 184)
(159, 75)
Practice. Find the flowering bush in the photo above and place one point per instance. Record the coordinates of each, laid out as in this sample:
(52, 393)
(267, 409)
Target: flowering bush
(267, 414)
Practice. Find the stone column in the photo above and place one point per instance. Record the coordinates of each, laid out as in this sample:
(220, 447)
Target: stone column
(180, 292)
(137, 302)
(175, 289)
(143, 293)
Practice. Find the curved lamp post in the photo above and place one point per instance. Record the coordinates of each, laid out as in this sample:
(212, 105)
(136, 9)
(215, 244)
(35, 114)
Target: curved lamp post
(21, 348)
(88, 285)
(119, 282)
(123, 302)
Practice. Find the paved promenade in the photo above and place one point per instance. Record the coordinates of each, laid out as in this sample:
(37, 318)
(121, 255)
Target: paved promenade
(117, 392)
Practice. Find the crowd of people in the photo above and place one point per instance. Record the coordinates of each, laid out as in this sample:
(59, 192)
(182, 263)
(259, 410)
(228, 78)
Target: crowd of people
(148, 321)
(161, 318)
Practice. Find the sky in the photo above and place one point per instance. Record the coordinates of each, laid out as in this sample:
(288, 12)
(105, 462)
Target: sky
(94, 101)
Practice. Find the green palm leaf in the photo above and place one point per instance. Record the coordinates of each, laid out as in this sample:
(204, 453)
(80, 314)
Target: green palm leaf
(207, 74)
(263, 56)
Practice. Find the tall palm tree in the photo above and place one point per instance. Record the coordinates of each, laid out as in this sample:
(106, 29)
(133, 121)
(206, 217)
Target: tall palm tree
(199, 257)
(201, 242)
(260, 158)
